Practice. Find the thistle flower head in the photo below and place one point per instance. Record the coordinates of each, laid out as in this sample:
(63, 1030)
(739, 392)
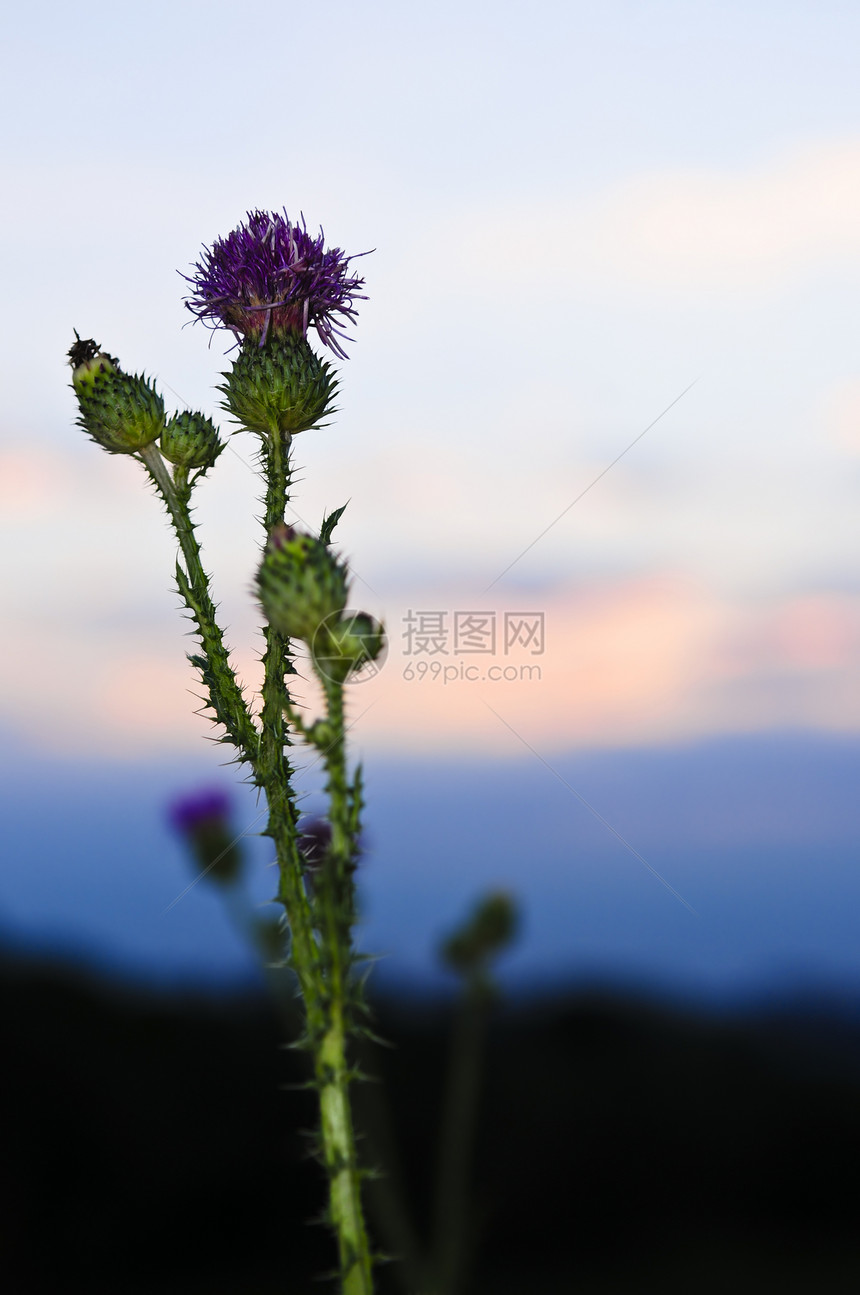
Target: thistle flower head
(270, 275)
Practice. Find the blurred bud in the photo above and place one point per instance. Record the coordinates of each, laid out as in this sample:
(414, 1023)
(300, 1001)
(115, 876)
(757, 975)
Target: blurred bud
(322, 733)
(203, 819)
(343, 645)
(491, 927)
(122, 412)
(300, 583)
(191, 441)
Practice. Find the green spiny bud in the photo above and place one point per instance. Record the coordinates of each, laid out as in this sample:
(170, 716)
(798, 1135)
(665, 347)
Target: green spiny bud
(122, 412)
(191, 441)
(344, 644)
(300, 583)
(280, 387)
(321, 734)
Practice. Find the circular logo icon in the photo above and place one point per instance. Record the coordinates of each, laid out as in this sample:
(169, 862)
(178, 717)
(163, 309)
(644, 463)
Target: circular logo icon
(368, 646)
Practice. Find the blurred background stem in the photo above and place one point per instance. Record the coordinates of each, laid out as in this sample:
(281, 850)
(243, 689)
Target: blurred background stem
(452, 1216)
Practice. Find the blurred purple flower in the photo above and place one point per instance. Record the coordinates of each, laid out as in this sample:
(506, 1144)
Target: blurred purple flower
(270, 274)
(314, 840)
(203, 819)
(199, 809)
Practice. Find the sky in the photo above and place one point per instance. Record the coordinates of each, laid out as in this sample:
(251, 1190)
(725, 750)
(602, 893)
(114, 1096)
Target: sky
(603, 397)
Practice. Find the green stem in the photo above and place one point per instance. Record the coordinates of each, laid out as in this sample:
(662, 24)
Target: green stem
(336, 906)
(276, 660)
(261, 750)
(274, 773)
(322, 968)
(225, 695)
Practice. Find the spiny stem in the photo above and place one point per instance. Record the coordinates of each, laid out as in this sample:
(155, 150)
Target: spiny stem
(323, 968)
(304, 952)
(261, 752)
(337, 911)
(339, 1151)
(276, 659)
(274, 773)
(225, 695)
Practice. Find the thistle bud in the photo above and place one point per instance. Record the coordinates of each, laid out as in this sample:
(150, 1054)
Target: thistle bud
(300, 583)
(490, 929)
(280, 387)
(122, 412)
(343, 645)
(191, 441)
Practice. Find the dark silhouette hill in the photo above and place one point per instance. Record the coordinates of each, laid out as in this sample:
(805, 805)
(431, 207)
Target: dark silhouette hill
(150, 1144)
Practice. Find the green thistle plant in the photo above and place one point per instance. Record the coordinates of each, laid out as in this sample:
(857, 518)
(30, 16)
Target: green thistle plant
(268, 282)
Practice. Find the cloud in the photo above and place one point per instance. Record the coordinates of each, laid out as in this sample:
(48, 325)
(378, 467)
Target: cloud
(641, 662)
(840, 416)
(674, 231)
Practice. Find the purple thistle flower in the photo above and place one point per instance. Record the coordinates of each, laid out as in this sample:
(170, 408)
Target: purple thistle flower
(271, 274)
(200, 810)
(203, 819)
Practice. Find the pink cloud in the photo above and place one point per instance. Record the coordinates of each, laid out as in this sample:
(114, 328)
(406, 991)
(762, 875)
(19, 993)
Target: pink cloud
(647, 661)
(643, 661)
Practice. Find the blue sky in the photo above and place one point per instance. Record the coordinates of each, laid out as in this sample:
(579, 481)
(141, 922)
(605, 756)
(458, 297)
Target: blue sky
(757, 836)
(576, 213)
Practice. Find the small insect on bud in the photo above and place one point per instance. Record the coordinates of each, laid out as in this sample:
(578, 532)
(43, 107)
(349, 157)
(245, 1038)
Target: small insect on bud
(121, 412)
(90, 365)
(301, 583)
(190, 440)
